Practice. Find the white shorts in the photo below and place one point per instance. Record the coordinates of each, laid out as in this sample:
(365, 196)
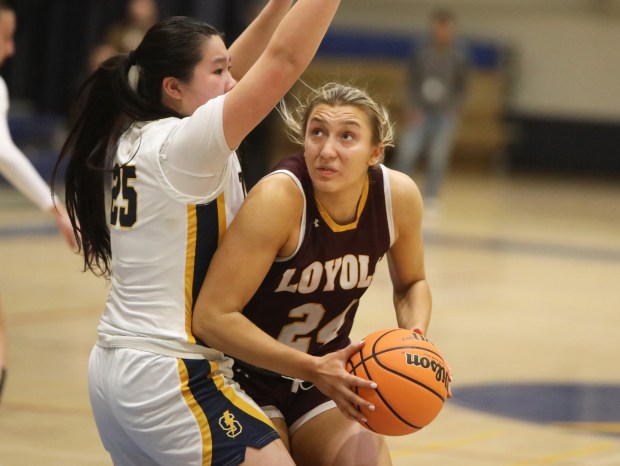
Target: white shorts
(160, 410)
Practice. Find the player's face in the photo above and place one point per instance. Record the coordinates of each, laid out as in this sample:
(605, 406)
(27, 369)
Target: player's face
(444, 32)
(7, 30)
(211, 77)
(338, 148)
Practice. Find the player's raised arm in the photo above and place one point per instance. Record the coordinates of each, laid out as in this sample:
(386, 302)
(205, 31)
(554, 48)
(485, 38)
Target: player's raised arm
(288, 53)
(246, 49)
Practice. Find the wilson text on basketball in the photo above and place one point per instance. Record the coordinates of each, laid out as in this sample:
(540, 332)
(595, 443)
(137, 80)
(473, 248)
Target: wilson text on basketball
(441, 375)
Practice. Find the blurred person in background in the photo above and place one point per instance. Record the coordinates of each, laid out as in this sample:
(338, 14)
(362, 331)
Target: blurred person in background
(125, 35)
(436, 85)
(15, 166)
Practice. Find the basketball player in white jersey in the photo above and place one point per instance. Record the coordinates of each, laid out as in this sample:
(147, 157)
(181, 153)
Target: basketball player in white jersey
(162, 122)
(16, 167)
(295, 262)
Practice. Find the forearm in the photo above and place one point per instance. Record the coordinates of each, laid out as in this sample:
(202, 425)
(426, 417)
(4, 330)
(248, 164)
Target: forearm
(413, 306)
(300, 32)
(18, 170)
(252, 42)
(287, 55)
(235, 335)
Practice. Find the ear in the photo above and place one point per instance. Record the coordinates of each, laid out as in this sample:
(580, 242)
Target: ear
(170, 87)
(377, 155)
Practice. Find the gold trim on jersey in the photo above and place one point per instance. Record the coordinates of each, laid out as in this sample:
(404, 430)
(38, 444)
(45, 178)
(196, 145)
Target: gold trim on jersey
(190, 256)
(221, 217)
(350, 226)
(203, 423)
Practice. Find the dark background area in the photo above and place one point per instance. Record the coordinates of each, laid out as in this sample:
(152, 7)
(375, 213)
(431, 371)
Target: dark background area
(53, 41)
(54, 38)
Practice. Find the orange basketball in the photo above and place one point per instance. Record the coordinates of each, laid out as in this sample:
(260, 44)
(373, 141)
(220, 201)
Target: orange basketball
(411, 377)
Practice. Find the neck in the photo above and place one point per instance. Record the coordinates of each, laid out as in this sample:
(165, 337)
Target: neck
(342, 207)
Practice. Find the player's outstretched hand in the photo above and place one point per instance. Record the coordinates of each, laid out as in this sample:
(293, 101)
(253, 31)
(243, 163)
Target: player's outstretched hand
(334, 381)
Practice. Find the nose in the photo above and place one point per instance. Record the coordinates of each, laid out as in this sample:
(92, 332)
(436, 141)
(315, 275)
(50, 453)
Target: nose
(231, 83)
(328, 150)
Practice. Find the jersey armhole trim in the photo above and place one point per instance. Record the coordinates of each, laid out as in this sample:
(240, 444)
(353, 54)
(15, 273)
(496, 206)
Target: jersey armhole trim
(302, 229)
(388, 203)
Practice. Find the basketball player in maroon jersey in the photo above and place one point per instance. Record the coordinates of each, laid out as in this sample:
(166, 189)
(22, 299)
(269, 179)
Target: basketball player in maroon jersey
(294, 264)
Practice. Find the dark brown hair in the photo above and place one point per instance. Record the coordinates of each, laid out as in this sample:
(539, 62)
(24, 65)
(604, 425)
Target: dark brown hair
(106, 106)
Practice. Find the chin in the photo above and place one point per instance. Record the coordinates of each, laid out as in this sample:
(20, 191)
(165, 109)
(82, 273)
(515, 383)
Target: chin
(325, 186)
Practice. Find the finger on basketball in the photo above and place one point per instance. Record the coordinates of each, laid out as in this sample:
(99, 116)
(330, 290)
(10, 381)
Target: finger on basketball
(359, 401)
(350, 350)
(351, 411)
(360, 382)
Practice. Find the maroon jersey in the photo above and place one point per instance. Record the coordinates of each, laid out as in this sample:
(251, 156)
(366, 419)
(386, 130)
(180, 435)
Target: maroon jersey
(308, 301)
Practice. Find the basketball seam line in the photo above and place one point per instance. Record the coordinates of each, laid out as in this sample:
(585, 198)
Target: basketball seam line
(385, 401)
(374, 354)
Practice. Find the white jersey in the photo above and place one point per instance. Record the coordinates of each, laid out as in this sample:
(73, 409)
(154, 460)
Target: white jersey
(162, 237)
(15, 166)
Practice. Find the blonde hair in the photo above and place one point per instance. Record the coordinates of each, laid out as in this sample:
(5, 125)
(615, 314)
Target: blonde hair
(335, 94)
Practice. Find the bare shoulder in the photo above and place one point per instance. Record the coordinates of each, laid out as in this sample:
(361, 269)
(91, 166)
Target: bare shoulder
(275, 198)
(406, 197)
(271, 215)
(278, 188)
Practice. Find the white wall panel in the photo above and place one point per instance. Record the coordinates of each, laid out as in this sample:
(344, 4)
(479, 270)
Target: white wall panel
(568, 51)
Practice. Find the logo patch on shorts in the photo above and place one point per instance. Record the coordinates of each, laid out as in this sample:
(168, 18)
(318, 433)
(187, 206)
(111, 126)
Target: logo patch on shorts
(229, 424)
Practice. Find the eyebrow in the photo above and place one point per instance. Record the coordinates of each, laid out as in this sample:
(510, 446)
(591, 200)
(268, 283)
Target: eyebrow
(222, 60)
(345, 122)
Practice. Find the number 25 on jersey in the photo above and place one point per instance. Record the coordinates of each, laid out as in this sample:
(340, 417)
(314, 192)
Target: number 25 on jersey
(124, 197)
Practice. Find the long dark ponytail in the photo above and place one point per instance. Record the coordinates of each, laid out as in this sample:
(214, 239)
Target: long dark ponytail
(106, 106)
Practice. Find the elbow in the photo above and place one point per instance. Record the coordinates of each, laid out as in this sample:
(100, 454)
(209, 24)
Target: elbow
(204, 329)
(211, 325)
(287, 61)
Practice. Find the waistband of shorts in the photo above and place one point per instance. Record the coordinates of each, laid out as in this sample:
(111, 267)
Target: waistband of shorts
(175, 351)
(259, 370)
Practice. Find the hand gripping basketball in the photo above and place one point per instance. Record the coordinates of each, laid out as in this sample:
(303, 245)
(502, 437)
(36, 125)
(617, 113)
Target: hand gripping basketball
(412, 380)
(333, 379)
